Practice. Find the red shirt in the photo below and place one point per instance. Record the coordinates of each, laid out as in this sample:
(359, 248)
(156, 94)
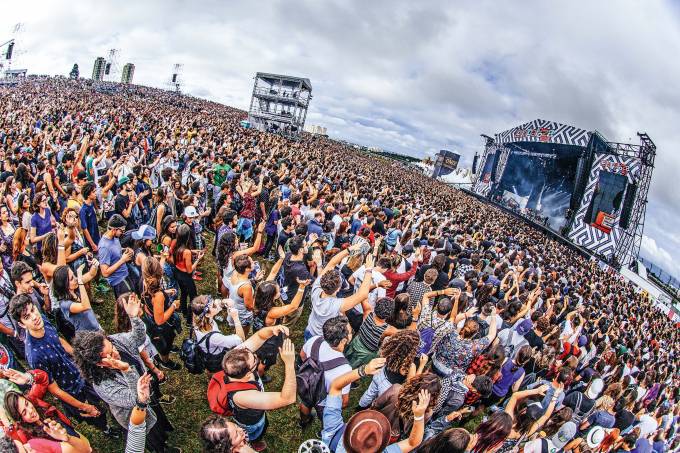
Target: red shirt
(396, 278)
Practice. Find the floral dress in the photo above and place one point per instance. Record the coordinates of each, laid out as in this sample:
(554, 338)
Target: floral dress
(454, 354)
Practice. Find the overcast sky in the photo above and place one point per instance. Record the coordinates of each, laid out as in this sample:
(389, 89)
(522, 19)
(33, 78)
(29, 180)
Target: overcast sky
(411, 77)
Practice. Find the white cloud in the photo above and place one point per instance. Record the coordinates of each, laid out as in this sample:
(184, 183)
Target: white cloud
(411, 77)
(659, 256)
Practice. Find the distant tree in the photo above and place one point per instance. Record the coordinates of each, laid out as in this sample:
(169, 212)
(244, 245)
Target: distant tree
(74, 72)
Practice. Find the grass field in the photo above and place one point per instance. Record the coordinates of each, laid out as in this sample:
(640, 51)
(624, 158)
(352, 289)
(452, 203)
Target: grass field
(191, 407)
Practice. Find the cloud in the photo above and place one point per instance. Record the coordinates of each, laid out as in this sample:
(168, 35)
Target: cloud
(659, 256)
(411, 77)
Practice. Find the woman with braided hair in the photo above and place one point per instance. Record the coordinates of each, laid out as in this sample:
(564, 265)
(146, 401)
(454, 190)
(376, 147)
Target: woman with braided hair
(219, 435)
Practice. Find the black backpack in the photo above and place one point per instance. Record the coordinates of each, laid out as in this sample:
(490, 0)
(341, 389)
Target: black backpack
(311, 384)
(194, 358)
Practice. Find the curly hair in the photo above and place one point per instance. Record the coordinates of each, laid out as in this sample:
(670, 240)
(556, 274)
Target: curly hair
(87, 347)
(409, 393)
(384, 307)
(330, 281)
(215, 435)
(399, 350)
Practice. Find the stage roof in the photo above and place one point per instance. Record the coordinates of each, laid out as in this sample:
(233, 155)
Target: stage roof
(546, 132)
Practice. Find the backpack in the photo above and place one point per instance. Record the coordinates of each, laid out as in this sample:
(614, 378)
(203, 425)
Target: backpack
(213, 362)
(219, 390)
(579, 416)
(311, 383)
(192, 355)
(427, 336)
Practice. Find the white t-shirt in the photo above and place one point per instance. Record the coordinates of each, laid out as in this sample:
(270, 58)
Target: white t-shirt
(374, 295)
(322, 309)
(327, 353)
(218, 341)
(536, 446)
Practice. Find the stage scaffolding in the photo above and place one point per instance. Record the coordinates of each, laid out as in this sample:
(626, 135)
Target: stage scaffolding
(279, 103)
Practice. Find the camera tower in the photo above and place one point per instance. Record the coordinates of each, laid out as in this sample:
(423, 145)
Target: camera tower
(175, 82)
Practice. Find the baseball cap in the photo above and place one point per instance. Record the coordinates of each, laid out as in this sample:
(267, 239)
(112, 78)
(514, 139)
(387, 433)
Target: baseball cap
(144, 232)
(595, 388)
(524, 327)
(457, 283)
(564, 435)
(367, 430)
(190, 211)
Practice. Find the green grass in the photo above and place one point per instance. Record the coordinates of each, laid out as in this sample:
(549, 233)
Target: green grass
(191, 407)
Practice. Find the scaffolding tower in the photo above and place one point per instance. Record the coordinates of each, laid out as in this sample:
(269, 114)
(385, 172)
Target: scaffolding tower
(279, 103)
(175, 81)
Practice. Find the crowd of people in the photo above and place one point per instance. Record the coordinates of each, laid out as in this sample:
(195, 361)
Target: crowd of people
(434, 310)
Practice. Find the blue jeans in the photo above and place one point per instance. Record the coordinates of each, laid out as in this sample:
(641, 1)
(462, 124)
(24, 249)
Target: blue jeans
(307, 335)
(256, 431)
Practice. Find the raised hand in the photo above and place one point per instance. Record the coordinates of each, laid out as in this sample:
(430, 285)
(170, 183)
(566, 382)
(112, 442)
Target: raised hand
(55, 430)
(115, 364)
(421, 406)
(287, 352)
(374, 365)
(15, 376)
(132, 305)
(144, 388)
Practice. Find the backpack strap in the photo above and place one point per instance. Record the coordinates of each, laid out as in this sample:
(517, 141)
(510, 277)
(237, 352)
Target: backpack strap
(579, 400)
(206, 338)
(334, 363)
(230, 387)
(314, 353)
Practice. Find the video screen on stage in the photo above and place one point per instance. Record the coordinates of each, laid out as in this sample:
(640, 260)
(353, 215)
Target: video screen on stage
(606, 201)
(488, 167)
(540, 185)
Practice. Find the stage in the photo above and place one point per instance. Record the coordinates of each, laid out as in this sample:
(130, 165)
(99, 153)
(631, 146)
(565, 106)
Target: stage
(571, 182)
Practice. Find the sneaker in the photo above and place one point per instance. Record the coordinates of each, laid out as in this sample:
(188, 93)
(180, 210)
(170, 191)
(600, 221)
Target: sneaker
(167, 399)
(198, 278)
(169, 365)
(304, 422)
(259, 445)
(103, 288)
(113, 432)
(174, 349)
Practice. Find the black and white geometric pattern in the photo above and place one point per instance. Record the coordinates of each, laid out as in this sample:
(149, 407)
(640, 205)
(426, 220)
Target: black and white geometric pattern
(546, 132)
(583, 233)
(502, 163)
(483, 187)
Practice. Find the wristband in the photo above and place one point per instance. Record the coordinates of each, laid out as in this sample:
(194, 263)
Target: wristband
(417, 419)
(141, 406)
(362, 371)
